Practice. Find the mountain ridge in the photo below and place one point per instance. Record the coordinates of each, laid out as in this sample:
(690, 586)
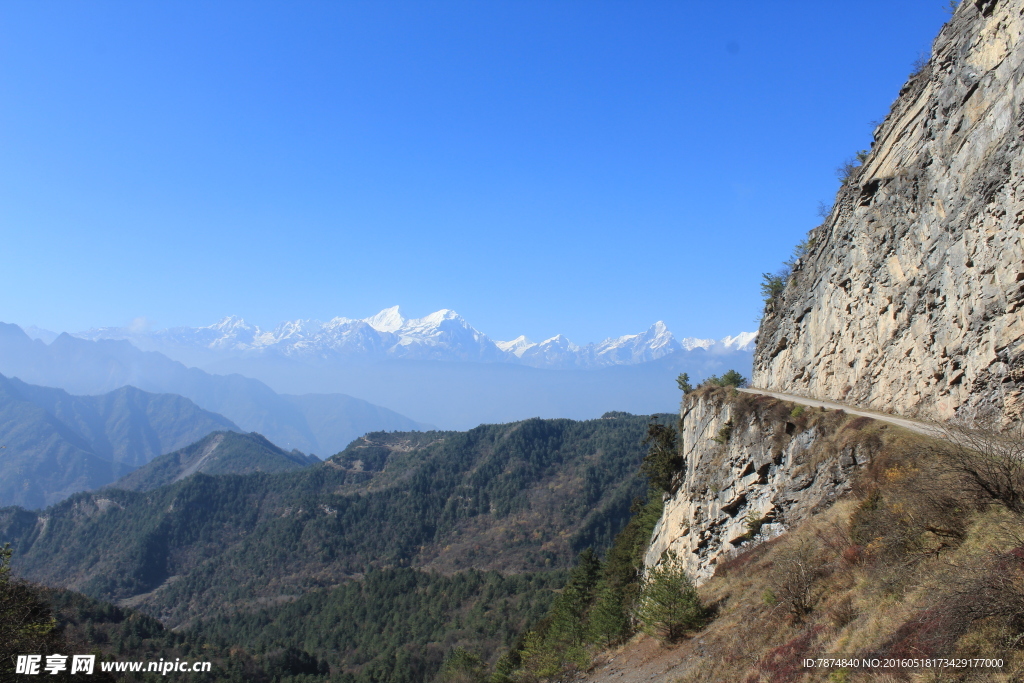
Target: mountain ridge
(216, 453)
(517, 497)
(57, 444)
(85, 367)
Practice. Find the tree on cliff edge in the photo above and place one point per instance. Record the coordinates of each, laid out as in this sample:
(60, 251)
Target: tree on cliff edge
(663, 460)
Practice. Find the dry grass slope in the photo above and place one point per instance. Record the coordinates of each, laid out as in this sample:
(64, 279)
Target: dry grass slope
(918, 561)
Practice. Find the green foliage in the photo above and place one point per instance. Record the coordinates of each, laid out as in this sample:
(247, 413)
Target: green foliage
(772, 285)
(560, 641)
(683, 382)
(395, 625)
(799, 251)
(724, 433)
(730, 379)
(26, 622)
(663, 460)
(608, 621)
(595, 608)
(797, 411)
(753, 522)
(462, 666)
(669, 605)
(228, 538)
(217, 453)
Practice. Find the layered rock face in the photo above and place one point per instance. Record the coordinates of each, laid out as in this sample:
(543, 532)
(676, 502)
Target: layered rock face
(754, 469)
(909, 297)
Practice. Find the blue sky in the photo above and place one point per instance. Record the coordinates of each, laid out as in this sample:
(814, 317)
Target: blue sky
(583, 168)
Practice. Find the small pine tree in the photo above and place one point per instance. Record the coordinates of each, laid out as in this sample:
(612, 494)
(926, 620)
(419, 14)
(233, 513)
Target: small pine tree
(462, 666)
(663, 460)
(772, 285)
(683, 382)
(669, 605)
(608, 623)
(559, 643)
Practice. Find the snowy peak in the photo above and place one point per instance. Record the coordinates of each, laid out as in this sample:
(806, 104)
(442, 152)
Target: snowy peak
(691, 343)
(442, 335)
(388, 320)
(744, 341)
(656, 342)
(517, 347)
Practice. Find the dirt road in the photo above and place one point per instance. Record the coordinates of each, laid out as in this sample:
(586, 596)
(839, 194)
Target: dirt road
(914, 425)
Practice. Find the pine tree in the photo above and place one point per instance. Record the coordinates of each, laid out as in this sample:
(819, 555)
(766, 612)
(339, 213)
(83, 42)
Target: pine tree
(663, 460)
(26, 621)
(560, 641)
(608, 623)
(669, 605)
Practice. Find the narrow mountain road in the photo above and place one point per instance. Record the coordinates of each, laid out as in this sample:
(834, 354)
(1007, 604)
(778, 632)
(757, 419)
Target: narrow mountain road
(918, 426)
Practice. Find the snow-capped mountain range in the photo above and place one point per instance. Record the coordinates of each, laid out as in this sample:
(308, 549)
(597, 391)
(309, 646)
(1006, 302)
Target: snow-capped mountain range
(443, 335)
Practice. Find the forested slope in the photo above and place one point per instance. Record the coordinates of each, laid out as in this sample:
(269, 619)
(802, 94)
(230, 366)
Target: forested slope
(518, 497)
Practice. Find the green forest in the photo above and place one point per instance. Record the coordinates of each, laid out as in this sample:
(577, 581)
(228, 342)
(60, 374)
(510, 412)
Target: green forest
(407, 556)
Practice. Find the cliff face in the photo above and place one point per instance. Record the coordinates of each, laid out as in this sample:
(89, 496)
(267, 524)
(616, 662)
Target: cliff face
(755, 467)
(908, 299)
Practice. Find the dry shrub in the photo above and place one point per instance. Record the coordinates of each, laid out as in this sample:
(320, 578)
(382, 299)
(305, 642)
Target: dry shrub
(912, 508)
(993, 587)
(857, 423)
(933, 632)
(988, 590)
(842, 612)
(988, 462)
(795, 577)
(828, 421)
(785, 663)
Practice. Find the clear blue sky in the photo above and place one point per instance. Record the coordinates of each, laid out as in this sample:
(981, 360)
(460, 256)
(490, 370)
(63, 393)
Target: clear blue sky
(541, 167)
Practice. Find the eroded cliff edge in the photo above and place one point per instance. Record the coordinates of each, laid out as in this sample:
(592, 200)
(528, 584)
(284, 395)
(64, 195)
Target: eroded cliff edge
(908, 298)
(755, 467)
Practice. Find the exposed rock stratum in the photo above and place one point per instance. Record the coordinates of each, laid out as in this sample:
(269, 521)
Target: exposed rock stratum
(909, 297)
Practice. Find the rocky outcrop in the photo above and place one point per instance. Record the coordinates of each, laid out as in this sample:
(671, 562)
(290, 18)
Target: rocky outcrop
(908, 299)
(754, 467)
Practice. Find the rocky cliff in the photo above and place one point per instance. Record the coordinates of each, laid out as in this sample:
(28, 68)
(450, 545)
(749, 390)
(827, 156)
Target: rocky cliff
(908, 297)
(755, 467)
(906, 300)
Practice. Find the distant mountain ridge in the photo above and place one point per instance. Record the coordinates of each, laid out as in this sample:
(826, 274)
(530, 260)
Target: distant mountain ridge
(319, 423)
(56, 444)
(217, 453)
(441, 336)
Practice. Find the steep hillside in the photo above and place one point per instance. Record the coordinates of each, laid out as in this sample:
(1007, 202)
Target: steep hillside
(95, 367)
(908, 297)
(519, 497)
(57, 444)
(217, 453)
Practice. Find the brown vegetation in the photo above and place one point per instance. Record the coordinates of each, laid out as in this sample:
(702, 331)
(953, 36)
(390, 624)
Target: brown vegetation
(924, 558)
